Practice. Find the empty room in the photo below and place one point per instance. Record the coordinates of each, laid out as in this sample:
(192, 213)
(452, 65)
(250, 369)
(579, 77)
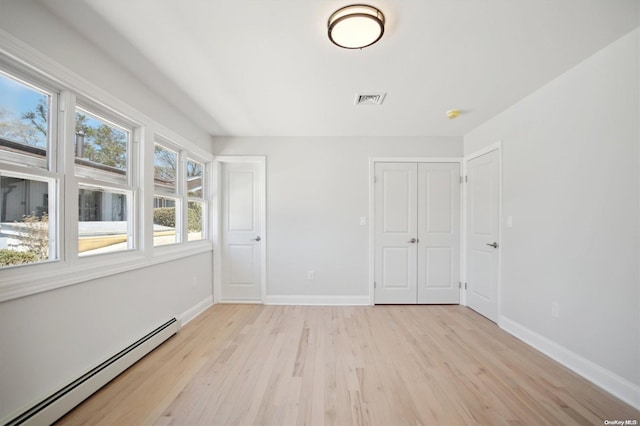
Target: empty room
(290, 212)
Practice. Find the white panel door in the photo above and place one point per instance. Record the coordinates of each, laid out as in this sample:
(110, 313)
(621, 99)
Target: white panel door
(241, 230)
(438, 233)
(483, 216)
(395, 257)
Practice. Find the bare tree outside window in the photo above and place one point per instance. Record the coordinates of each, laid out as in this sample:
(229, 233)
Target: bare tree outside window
(24, 202)
(102, 144)
(24, 114)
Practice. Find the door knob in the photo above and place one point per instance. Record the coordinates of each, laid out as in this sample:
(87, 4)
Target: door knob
(494, 245)
(412, 241)
(256, 238)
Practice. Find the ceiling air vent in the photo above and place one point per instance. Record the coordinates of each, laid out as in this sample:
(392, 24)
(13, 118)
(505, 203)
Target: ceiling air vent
(370, 98)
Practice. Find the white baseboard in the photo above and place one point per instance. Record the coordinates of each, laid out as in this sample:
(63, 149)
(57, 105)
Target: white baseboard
(607, 380)
(195, 310)
(317, 300)
(56, 404)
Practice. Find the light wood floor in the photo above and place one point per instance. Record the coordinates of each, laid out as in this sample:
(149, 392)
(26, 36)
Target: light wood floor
(383, 365)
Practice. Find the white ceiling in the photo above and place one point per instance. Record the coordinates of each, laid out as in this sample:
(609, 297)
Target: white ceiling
(267, 68)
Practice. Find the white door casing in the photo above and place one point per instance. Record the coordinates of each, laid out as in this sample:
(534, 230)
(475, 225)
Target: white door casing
(438, 233)
(483, 233)
(241, 232)
(416, 232)
(395, 257)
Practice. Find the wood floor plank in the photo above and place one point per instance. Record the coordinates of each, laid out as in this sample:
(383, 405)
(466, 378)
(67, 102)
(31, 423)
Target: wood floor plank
(382, 365)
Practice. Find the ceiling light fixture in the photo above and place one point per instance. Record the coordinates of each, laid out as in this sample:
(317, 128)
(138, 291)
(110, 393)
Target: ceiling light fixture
(356, 26)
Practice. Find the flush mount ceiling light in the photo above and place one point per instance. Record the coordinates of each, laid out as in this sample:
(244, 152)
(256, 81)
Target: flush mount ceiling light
(356, 26)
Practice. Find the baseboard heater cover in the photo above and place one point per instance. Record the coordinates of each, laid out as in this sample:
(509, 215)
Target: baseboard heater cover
(61, 402)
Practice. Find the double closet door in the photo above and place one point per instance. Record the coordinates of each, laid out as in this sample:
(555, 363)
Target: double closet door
(417, 233)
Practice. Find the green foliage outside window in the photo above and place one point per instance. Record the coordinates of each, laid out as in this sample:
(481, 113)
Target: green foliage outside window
(11, 257)
(166, 216)
(34, 243)
(102, 143)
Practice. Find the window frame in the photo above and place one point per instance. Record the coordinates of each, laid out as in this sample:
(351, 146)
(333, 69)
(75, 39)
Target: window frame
(46, 87)
(114, 119)
(101, 181)
(202, 199)
(68, 90)
(26, 167)
(6, 170)
(177, 195)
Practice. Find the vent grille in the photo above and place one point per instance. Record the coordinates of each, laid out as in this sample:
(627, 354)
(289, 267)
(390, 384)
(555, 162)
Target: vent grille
(370, 98)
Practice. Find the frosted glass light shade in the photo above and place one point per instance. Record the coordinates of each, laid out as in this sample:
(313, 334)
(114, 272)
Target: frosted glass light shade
(356, 26)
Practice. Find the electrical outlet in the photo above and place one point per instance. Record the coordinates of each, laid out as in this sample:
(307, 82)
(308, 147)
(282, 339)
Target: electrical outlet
(311, 275)
(555, 309)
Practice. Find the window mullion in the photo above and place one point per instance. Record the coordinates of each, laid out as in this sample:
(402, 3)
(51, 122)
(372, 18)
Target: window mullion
(145, 190)
(181, 189)
(68, 221)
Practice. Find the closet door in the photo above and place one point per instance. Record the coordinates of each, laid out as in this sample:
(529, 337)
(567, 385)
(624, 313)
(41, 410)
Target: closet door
(395, 257)
(438, 233)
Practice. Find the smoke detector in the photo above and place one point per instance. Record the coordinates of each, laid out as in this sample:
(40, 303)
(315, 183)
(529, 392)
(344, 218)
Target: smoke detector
(453, 114)
(370, 98)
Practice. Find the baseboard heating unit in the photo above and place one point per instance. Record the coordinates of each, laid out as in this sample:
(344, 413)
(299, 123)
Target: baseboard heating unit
(61, 402)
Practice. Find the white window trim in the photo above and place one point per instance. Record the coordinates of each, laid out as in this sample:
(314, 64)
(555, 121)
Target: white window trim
(23, 280)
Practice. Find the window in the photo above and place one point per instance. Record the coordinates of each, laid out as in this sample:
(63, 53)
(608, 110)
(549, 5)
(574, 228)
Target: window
(102, 221)
(24, 122)
(24, 220)
(105, 189)
(178, 192)
(166, 206)
(28, 180)
(101, 148)
(196, 206)
(47, 166)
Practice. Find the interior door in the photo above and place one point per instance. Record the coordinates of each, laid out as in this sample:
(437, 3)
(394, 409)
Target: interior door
(241, 232)
(438, 233)
(417, 233)
(395, 233)
(483, 226)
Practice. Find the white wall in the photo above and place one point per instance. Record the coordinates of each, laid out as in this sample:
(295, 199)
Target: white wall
(36, 26)
(571, 175)
(49, 339)
(317, 190)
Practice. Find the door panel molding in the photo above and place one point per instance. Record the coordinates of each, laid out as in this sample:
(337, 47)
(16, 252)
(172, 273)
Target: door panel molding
(372, 215)
(439, 232)
(497, 147)
(396, 230)
(217, 221)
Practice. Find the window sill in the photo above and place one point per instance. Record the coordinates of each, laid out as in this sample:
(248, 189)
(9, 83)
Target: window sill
(33, 279)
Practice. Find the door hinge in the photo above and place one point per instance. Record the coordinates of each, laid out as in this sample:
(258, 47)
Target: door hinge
(465, 285)
(459, 284)
(466, 179)
(374, 284)
(375, 179)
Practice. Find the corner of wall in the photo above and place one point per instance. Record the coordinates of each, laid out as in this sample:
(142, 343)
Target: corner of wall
(195, 310)
(606, 379)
